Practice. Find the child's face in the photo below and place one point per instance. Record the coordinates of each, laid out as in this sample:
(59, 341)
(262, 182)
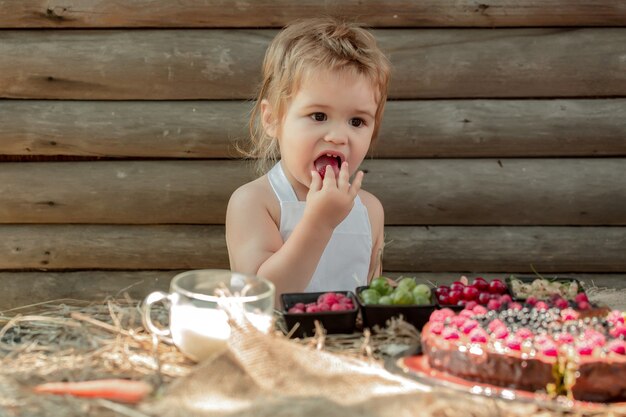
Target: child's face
(331, 114)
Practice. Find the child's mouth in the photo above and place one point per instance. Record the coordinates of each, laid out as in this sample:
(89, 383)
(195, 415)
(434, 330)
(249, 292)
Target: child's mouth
(333, 160)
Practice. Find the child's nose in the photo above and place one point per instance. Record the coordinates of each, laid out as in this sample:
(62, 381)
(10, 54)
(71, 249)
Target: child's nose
(337, 135)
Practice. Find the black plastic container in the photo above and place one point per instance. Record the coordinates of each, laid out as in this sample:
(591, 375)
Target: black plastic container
(332, 321)
(378, 315)
(453, 307)
(528, 279)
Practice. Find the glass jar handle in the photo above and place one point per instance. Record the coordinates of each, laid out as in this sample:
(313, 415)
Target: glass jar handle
(152, 298)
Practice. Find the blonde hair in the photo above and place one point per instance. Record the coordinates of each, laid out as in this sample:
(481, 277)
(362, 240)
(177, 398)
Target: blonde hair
(300, 49)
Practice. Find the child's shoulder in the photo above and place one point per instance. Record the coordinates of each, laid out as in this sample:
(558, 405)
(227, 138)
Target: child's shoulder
(254, 191)
(254, 194)
(371, 201)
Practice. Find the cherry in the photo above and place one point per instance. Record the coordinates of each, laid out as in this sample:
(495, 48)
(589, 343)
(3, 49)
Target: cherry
(497, 287)
(480, 284)
(442, 289)
(484, 297)
(443, 299)
(454, 296)
(457, 286)
(470, 293)
(580, 297)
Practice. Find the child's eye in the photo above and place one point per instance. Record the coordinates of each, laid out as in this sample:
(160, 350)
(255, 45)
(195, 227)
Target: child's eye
(357, 122)
(319, 117)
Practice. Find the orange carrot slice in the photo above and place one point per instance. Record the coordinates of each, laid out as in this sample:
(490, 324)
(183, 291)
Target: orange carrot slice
(123, 390)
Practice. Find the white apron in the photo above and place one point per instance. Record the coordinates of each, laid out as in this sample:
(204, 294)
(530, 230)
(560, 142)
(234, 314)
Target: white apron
(345, 263)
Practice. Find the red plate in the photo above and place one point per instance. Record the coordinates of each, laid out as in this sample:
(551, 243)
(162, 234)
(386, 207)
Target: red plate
(417, 367)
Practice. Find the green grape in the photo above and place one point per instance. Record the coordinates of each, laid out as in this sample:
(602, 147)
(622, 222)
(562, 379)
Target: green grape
(407, 283)
(381, 285)
(402, 297)
(421, 290)
(370, 296)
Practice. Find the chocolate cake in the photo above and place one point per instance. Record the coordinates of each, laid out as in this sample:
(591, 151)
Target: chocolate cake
(532, 349)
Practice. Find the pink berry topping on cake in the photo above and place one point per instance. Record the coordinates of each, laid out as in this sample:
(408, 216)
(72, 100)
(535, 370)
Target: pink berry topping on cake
(617, 346)
(594, 337)
(584, 349)
(437, 316)
(500, 333)
(563, 338)
(514, 342)
(615, 317)
(469, 325)
(437, 327)
(494, 324)
(569, 314)
(618, 331)
(479, 310)
(478, 335)
(549, 348)
(524, 333)
(450, 334)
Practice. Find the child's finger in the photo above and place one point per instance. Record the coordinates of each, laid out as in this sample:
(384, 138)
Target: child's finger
(356, 184)
(344, 178)
(316, 181)
(329, 177)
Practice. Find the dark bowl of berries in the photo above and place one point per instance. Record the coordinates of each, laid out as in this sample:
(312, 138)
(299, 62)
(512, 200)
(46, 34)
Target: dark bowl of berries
(463, 294)
(336, 311)
(380, 302)
(542, 288)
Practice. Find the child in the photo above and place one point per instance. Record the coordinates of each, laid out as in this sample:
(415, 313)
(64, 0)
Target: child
(303, 225)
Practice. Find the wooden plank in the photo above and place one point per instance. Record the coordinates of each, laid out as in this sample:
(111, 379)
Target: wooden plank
(426, 192)
(129, 192)
(50, 247)
(419, 249)
(225, 64)
(214, 13)
(410, 129)
(152, 129)
(504, 249)
(20, 289)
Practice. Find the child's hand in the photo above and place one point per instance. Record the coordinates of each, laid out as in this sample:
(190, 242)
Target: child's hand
(330, 200)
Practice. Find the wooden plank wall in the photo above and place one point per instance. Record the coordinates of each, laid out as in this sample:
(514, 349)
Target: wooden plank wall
(503, 146)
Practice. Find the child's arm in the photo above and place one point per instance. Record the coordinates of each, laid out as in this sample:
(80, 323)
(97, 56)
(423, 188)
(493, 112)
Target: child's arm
(254, 241)
(377, 222)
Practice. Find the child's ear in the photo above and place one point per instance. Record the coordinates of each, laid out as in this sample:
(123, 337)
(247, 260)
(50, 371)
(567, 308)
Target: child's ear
(268, 119)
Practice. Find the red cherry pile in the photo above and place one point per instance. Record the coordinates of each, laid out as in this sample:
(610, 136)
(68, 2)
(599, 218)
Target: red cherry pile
(330, 301)
(580, 302)
(480, 292)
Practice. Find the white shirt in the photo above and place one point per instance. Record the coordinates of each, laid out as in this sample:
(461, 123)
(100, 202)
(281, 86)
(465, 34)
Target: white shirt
(345, 263)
